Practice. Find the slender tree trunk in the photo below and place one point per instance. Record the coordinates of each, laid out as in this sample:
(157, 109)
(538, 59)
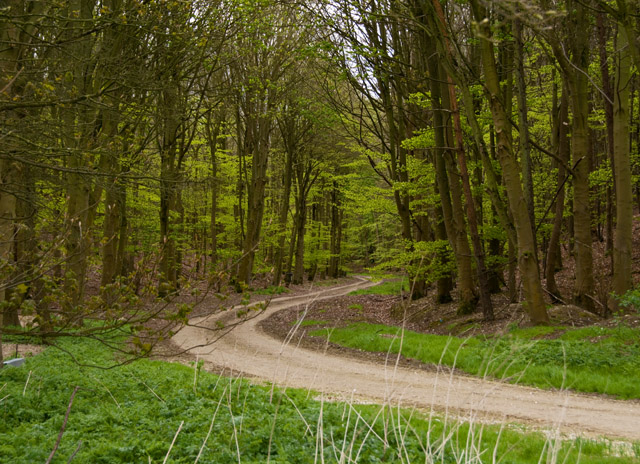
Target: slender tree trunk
(255, 198)
(123, 234)
(493, 186)
(8, 203)
(444, 284)
(298, 271)
(527, 263)
(563, 151)
(622, 247)
(77, 230)
(525, 145)
(336, 233)
(608, 116)
(575, 74)
(213, 132)
(22, 247)
(292, 248)
(466, 291)
(111, 230)
(282, 217)
(485, 298)
(584, 284)
(316, 239)
(457, 238)
(168, 180)
(112, 207)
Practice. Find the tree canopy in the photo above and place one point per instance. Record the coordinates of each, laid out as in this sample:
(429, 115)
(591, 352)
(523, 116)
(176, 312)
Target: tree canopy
(476, 146)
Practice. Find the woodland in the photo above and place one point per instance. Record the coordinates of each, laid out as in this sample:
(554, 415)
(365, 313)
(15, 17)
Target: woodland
(165, 160)
(474, 146)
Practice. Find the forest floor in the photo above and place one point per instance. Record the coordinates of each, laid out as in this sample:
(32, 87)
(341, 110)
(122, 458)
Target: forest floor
(267, 347)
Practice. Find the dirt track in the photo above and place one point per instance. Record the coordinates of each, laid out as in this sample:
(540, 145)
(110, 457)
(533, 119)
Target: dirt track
(249, 351)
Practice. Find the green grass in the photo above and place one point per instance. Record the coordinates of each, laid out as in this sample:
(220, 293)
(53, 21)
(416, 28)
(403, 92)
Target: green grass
(388, 287)
(132, 413)
(310, 322)
(592, 359)
(271, 290)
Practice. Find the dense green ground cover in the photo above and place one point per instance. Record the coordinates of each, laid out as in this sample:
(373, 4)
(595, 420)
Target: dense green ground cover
(590, 359)
(387, 287)
(132, 413)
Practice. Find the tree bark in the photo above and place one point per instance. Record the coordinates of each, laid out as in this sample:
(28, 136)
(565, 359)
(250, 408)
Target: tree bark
(8, 203)
(622, 246)
(298, 270)
(112, 207)
(213, 128)
(608, 116)
(440, 101)
(485, 298)
(336, 233)
(527, 263)
(466, 291)
(554, 241)
(282, 217)
(255, 195)
(169, 178)
(579, 86)
(525, 145)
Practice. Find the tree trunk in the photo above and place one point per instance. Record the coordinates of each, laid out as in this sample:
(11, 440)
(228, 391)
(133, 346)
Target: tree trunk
(168, 180)
(485, 298)
(525, 146)
(622, 246)
(444, 284)
(8, 203)
(608, 116)
(298, 271)
(554, 241)
(110, 235)
(212, 130)
(77, 231)
(112, 210)
(527, 263)
(122, 259)
(579, 86)
(292, 248)
(282, 217)
(336, 233)
(24, 258)
(255, 198)
(450, 202)
(466, 291)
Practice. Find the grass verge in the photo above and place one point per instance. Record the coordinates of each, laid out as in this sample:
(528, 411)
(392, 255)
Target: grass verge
(153, 411)
(388, 287)
(591, 359)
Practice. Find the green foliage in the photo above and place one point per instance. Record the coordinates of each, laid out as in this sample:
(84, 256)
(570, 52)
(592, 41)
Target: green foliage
(631, 299)
(271, 290)
(424, 260)
(309, 322)
(388, 287)
(593, 359)
(421, 140)
(132, 414)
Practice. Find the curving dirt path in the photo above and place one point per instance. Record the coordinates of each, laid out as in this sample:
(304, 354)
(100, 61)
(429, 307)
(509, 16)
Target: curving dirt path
(249, 351)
